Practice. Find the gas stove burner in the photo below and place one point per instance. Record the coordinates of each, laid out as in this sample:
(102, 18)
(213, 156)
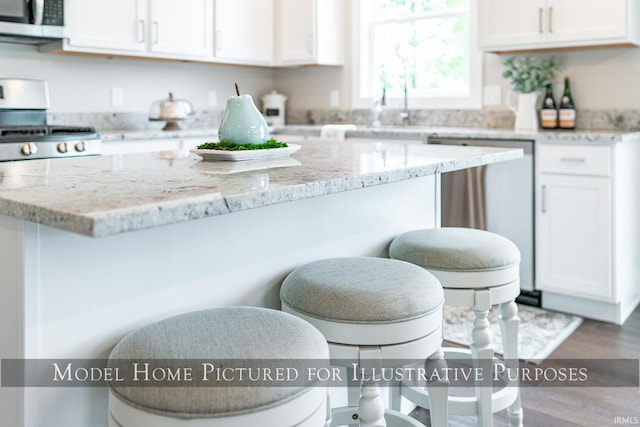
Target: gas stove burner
(24, 133)
(20, 133)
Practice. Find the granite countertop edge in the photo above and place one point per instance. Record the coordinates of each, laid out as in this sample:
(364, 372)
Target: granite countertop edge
(143, 216)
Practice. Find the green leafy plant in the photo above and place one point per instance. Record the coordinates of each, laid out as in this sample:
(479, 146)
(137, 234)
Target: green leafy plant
(529, 73)
(232, 146)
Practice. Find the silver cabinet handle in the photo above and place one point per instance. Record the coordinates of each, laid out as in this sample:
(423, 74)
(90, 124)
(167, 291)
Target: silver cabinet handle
(551, 20)
(141, 30)
(156, 31)
(540, 11)
(573, 159)
(544, 199)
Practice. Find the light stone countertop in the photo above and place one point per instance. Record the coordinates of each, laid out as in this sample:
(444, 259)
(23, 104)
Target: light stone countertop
(422, 132)
(107, 195)
(408, 132)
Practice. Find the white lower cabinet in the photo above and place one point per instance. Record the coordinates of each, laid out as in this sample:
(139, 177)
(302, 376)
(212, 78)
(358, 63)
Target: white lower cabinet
(167, 147)
(587, 229)
(574, 235)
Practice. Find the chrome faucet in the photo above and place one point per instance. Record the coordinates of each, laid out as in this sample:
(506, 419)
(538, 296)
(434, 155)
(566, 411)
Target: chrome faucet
(405, 116)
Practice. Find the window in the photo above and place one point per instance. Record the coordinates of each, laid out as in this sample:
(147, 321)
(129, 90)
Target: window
(426, 46)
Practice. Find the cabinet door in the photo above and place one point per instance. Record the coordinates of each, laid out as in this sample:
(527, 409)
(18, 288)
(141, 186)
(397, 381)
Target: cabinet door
(244, 31)
(112, 25)
(572, 20)
(573, 235)
(297, 32)
(507, 22)
(183, 28)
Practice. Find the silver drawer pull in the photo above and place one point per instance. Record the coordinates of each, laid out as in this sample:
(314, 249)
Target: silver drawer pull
(573, 159)
(540, 20)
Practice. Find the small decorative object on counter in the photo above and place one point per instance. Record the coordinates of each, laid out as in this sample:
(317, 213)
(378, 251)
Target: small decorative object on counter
(567, 110)
(273, 107)
(529, 75)
(549, 113)
(242, 122)
(170, 110)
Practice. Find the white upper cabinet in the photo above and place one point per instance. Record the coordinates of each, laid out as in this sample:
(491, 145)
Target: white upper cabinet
(507, 25)
(247, 32)
(244, 31)
(309, 32)
(115, 24)
(182, 28)
(160, 28)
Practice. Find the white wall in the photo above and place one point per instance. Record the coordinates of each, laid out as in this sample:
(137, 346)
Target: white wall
(601, 79)
(84, 83)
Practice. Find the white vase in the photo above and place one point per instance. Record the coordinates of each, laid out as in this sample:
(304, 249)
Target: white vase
(525, 110)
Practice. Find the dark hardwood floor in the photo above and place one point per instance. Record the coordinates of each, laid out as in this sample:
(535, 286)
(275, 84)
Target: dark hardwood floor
(578, 406)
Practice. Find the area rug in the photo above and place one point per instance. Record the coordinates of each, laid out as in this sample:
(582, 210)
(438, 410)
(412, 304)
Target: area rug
(541, 331)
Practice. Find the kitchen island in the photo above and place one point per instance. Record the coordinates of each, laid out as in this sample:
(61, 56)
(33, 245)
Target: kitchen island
(96, 247)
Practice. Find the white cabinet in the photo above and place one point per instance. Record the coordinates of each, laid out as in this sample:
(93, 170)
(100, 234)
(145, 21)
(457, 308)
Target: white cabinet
(168, 148)
(244, 31)
(182, 28)
(113, 25)
(309, 32)
(587, 232)
(574, 235)
(505, 25)
(161, 28)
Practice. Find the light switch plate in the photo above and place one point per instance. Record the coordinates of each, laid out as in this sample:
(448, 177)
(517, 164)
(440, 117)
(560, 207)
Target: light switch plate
(492, 95)
(117, 97)
(334, 98)
(213, 99)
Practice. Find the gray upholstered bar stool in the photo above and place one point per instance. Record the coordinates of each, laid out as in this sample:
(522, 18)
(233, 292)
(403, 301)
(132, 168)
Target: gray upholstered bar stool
(477, 269)
(221, 334)
(375, 313)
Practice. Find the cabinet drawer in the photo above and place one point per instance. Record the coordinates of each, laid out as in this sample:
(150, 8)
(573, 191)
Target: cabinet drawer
(575, 159)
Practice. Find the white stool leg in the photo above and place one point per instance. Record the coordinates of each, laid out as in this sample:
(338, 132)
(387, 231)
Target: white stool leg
(438, 389)
(509, 323)
(353, 391)
(482, 355)
(371, 406)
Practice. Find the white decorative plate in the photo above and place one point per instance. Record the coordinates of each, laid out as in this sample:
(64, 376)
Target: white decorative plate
(236, 156)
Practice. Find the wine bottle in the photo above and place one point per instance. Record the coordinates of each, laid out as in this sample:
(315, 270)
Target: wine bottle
(549, 113)
(567, 110)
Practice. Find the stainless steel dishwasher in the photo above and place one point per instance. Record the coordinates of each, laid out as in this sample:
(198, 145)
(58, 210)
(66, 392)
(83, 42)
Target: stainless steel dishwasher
(498, 198)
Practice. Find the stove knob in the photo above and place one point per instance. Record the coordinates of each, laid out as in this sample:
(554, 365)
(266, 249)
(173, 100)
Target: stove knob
(62, 147)
(29, 148)
(80, 146)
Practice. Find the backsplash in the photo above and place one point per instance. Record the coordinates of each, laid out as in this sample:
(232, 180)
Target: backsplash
(133, 121)
(592, 120)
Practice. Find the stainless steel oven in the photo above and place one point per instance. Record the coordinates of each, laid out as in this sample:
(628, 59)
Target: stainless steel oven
(498, 198)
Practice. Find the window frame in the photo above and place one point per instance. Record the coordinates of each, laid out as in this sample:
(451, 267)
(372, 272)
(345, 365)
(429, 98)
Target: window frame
(361, 35)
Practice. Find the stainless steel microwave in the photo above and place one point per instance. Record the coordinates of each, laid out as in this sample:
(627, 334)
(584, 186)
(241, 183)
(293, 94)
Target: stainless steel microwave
(31, 21)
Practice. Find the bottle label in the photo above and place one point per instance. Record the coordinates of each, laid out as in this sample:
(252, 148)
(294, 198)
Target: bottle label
(567, 118)
(549, 119)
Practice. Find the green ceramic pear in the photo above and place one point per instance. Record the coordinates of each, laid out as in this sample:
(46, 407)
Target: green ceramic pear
(242, 123)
